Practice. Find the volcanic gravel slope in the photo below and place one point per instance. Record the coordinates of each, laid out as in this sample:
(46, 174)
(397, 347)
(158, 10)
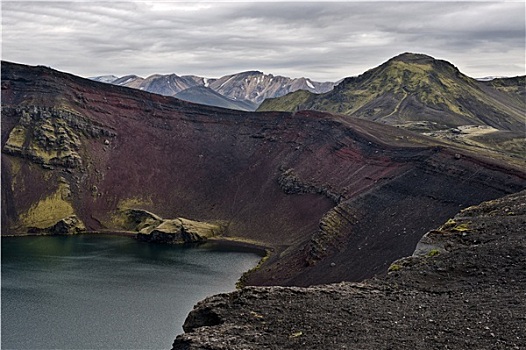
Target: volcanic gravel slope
(333, 199)
(466, 290)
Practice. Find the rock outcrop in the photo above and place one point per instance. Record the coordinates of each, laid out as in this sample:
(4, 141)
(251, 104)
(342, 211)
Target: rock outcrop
(152, 228)
(290, 183)
(66, 226)
(50, 136)
(464, 290)
(136, 220)
(177, 231)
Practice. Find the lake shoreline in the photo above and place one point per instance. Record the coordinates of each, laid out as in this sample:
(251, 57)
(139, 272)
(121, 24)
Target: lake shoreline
(115, 283)
(218, 242)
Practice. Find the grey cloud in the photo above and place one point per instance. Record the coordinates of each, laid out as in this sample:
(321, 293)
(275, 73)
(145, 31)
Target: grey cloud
(321, 40)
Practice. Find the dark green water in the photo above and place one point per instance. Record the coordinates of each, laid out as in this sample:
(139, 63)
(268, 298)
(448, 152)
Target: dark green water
(102, 292)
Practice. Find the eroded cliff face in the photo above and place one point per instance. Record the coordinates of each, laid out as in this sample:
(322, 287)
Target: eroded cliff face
(332, 199)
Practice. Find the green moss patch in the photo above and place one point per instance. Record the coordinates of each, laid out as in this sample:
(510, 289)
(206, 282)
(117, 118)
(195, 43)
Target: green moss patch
(394, 267)
(50, 210)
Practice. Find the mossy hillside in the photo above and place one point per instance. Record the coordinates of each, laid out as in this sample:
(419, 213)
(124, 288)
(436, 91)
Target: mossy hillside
(330, 231)
(412, 88)
(121, 217)
(51, 136)
(499, 144)
(288, 103)
(49, 210)
(134, 202)
(15, 166)
(45, 138)
(395, 77)
(399, 79)
(516, 146)
(505, 142)
(17, 137)
(514, 86)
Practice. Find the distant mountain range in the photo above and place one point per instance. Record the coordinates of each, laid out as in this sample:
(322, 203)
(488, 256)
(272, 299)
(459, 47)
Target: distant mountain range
(243, 91)
(412, 91)
(207, 96)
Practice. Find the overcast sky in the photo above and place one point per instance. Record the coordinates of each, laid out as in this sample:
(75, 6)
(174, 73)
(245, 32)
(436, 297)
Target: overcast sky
(324, 41)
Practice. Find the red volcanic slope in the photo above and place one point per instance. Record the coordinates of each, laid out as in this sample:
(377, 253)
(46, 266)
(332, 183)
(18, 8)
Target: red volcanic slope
(334, 199)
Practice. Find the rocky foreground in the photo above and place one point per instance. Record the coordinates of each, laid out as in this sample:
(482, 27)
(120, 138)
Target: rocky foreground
(465, 288)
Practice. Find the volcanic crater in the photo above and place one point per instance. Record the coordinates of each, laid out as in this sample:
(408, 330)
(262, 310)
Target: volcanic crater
(331, 198)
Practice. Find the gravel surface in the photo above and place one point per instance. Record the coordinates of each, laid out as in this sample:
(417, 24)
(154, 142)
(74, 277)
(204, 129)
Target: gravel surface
(465, 288)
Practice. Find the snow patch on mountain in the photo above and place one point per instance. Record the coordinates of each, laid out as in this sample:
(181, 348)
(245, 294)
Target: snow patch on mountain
(105, 78)
(251, 86)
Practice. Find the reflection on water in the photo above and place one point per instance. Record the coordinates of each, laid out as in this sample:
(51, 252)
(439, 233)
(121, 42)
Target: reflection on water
(101, 292)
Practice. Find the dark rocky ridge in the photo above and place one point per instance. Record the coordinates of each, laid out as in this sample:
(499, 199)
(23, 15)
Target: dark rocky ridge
(358, 195)
(463, 290)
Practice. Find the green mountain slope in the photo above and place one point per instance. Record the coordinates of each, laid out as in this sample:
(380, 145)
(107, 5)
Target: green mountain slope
(514, 87)
(417, 92)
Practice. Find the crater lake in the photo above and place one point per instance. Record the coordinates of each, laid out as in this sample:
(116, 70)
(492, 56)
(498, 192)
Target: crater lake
(107, 292)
